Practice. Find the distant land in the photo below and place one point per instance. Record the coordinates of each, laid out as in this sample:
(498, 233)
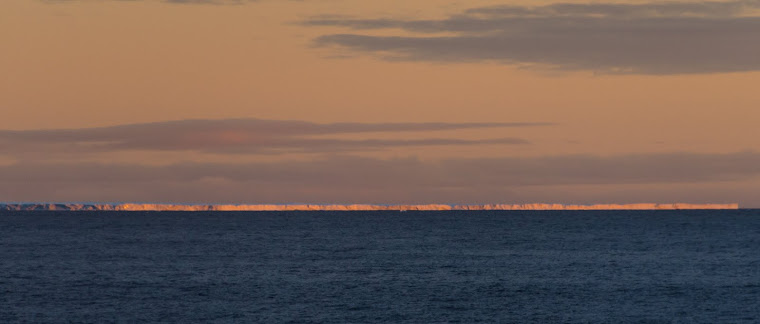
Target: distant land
(356, 207)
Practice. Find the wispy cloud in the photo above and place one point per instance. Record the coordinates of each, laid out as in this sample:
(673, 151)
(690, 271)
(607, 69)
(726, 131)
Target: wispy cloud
(206, 2)
(239, 136)
(349, 179)
(645, 38)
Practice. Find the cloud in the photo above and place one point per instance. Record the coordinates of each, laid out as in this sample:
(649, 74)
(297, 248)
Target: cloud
(648, 38)
(238, 136)
(347, 179)
(208, 2)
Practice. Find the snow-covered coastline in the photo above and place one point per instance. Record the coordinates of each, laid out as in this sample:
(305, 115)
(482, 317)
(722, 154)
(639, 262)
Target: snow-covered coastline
(338, 207)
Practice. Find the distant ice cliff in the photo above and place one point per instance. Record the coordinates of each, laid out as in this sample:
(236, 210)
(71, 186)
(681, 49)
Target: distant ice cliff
(306, 207)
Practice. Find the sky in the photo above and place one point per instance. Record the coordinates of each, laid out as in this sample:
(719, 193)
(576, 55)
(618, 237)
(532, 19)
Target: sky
(385, 102)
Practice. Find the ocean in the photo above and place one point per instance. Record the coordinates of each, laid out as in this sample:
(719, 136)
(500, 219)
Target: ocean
(688, 266)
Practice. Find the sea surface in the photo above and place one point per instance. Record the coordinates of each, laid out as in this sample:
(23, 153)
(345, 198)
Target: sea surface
(390, 267)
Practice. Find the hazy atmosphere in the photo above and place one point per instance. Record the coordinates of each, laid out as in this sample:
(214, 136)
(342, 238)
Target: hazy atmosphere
(380, 102)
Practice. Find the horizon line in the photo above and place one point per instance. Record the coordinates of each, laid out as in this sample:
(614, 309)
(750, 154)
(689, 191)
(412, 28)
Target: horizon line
(126, 206)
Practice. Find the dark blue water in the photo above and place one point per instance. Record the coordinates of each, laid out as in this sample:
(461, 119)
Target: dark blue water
(415, 267)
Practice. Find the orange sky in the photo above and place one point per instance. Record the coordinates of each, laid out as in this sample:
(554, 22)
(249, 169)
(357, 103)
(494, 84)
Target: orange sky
(75, 64)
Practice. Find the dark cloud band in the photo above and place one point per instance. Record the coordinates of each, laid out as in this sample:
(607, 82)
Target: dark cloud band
(239, 136)
(352, 179)
(650, 38)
